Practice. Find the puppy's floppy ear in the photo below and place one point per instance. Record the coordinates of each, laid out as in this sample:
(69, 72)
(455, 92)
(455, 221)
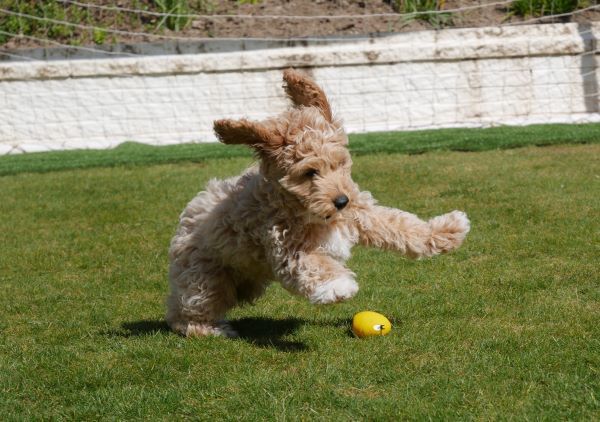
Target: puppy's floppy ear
(246, 132)
(303, 91)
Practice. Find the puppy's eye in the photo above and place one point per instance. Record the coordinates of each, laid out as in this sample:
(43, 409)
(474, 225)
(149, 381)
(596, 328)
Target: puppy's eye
(311, 173)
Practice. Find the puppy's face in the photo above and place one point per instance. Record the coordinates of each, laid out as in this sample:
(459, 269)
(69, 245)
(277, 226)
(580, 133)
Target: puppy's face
(314, 167)
(303, 151)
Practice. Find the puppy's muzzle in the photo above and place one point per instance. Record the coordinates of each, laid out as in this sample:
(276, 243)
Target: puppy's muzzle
(341, 201)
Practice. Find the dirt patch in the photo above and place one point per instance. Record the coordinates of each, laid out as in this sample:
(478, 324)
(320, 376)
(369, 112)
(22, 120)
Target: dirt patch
(321, 18)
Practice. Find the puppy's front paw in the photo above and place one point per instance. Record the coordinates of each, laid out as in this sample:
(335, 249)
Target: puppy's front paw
(335, 290)
(449, 230)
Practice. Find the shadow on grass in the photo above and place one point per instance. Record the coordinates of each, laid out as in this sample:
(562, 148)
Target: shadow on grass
(269, 332)
(141, 328)
(333, 322)
(261, 332)
(338, 323)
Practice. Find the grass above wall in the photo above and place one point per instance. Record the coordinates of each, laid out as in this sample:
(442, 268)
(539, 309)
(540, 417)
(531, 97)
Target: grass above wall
(379, 142)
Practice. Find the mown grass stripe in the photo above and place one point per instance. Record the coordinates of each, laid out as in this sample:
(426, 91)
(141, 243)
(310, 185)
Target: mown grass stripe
(459, 139)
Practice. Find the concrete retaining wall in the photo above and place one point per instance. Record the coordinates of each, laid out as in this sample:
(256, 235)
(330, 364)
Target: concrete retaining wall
(429, 79)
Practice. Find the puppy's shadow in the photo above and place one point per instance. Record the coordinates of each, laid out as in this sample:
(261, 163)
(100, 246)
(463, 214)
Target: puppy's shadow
(261, 332)
(141, 328)
(269, 332)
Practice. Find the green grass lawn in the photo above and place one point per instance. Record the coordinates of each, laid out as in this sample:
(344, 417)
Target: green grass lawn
(505, 328)
(417, 142)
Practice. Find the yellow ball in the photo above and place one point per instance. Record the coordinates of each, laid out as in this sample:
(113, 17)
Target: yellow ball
(370, 324)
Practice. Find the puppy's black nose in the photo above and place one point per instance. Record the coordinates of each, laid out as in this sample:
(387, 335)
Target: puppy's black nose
(341, 201)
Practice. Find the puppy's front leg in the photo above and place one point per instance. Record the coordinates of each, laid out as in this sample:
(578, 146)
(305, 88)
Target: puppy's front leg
(390, 228)
(317, 277)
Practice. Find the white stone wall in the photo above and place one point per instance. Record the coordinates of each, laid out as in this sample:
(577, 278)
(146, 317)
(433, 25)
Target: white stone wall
(429, 79)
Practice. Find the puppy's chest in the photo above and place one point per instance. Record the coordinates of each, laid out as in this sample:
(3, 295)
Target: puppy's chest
(337, 243)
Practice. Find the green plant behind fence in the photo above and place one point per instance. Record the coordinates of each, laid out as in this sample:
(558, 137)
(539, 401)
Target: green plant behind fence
(545, 7)
(54, 20)
(430, 11)
(176, 11)
(48, 10)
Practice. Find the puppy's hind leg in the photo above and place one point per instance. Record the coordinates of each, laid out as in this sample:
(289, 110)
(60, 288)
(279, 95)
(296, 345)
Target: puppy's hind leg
(198, 303)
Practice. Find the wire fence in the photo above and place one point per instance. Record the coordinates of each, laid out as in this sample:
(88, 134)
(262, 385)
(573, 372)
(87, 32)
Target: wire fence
(16, 40)
(506, 74)
(293, 17)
